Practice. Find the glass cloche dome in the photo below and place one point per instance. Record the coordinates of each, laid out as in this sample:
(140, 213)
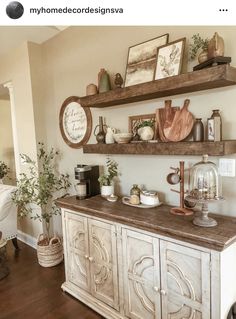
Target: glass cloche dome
(205, 187)
(205, 181)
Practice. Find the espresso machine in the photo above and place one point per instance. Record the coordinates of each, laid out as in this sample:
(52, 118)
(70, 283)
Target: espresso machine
(87, 181)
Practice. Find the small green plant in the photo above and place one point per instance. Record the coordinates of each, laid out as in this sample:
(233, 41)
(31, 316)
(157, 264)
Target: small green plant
(112, 171)
(198, 43)
(4, 169)
(39, 186)
(150, 123)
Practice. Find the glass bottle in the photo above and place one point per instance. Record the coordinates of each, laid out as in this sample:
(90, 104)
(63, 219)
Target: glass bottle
(135, 195)
(135, 190)
(198, 130)
(217, 125)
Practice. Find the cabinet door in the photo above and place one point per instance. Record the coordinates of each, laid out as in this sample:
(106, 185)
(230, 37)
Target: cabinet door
(185, 281)
(103, 262)
(141, 275)
(77, 251)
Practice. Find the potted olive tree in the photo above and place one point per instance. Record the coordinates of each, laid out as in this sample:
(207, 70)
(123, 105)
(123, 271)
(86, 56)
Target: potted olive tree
(106, 180)
(38, 189)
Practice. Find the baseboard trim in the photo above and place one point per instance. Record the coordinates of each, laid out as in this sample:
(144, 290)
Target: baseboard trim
(27, 239)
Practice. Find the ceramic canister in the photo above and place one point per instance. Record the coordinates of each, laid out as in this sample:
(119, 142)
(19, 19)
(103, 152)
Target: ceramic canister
(91, 89)
(149, 198)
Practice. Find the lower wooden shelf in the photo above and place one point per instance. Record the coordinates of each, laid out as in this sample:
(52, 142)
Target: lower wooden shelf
(171, 148)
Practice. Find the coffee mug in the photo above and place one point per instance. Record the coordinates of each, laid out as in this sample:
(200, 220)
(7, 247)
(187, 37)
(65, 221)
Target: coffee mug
(173, 178)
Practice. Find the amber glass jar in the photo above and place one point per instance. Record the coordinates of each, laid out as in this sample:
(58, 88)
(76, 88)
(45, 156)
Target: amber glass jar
(135, 190)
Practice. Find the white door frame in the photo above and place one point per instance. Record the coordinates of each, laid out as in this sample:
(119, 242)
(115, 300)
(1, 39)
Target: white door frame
(10, 88)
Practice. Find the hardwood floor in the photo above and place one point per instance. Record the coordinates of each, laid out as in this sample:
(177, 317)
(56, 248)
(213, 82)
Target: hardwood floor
(31, 291)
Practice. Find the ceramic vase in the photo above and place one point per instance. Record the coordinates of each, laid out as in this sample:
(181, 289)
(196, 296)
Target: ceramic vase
(109, 139)
(107, 190)
(216, 46)
(100, 136)
(104, 83)
(203, 56)
(146, 133)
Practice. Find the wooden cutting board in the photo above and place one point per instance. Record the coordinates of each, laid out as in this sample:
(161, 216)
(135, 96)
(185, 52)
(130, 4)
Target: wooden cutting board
(182, 124)
(164, 119)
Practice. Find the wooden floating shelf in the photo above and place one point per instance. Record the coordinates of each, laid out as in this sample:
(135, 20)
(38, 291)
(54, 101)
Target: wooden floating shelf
(159, 148)
(205, 79)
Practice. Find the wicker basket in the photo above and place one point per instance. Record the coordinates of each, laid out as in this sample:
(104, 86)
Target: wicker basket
(49, 255)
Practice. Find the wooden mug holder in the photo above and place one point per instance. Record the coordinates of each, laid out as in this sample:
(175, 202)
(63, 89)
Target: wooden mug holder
(181, 210)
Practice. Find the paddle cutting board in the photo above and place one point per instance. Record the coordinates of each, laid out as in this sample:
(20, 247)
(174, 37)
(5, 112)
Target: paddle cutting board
(164, 119)
(182, 124)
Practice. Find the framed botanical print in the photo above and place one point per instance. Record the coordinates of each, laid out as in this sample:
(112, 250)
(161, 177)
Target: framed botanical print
(142, 60)
(169, 59)
(75, 122)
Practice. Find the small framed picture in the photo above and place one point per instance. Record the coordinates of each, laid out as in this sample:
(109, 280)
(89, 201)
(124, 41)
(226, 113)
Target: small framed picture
(136, 120)
(142, 60)
(210, 130)
(169, 59)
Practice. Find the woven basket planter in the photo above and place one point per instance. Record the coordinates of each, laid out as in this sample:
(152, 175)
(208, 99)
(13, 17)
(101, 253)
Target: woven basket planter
(49, 255)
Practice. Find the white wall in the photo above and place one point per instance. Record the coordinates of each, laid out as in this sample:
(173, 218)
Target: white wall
(72, 60)
(15, 67)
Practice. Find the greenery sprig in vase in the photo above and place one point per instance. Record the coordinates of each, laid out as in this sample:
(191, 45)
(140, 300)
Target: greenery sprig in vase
(106, 179)
(198, 43)
(39, 187)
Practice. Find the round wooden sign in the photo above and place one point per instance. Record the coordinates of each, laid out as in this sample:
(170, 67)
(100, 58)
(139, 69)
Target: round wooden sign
(75, 122)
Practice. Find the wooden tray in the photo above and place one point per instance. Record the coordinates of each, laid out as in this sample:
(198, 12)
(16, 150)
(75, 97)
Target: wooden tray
(125, 200)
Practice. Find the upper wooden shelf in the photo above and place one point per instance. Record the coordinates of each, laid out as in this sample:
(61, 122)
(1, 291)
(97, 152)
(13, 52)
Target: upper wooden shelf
(171, 148)
(210, 78)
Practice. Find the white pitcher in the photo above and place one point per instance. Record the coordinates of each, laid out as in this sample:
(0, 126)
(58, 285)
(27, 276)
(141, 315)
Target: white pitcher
(109, 139)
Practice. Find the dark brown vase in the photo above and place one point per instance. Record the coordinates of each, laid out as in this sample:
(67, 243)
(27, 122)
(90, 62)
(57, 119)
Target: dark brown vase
(100, 136)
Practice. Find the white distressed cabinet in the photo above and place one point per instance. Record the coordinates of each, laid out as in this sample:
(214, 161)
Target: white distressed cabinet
(170, 282)
(91, 261)
(122, 271)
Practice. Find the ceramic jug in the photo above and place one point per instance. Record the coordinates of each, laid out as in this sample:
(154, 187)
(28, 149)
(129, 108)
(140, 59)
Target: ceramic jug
(215, 46)
(109, 139)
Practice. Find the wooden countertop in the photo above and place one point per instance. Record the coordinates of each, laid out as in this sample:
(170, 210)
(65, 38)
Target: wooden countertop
(157, 220)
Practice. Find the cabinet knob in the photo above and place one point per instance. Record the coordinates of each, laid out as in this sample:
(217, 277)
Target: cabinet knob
(91, 259)
(86, 256)
(163, 292)
(156, 289)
